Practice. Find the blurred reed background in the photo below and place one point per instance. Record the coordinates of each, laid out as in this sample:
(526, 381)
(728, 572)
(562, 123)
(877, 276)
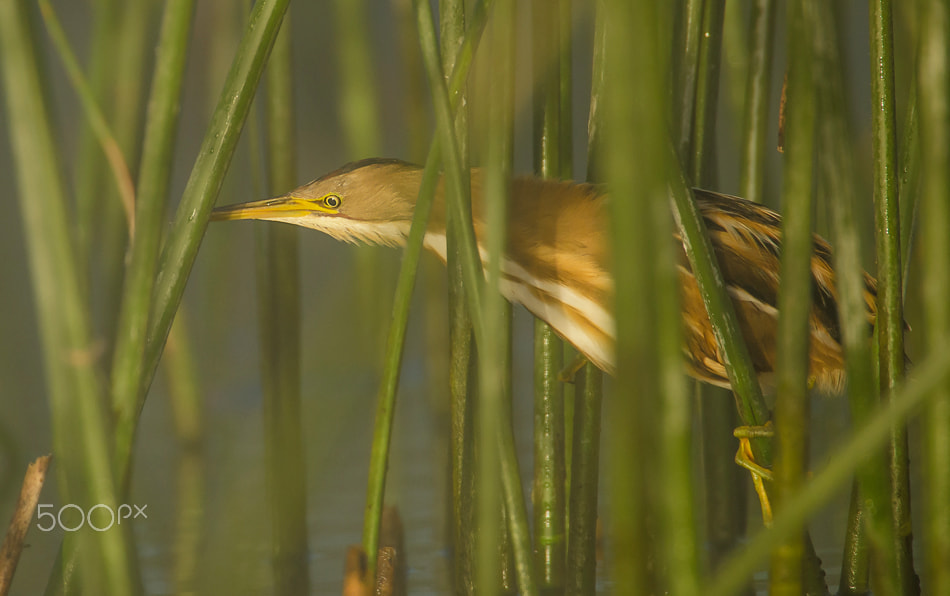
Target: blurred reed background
(250, 448)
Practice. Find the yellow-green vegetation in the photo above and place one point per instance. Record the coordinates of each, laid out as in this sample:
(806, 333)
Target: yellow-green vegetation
(252, 396)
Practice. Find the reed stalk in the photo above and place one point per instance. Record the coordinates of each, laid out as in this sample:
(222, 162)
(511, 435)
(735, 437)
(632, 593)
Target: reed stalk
(581, 572)
(77, 266)
(703, 137)
(154, 170)
(584, 470)
(414, 108)
(81, 444)
(853, 452)
(636, 110)
(794, 299)
(756, 109)
(278, 283)
(494, 395)
(749, 400)
(90, 170)
(933, 79)
(387, 392)
(458, 199)
(184, 390)
(359, 117)
(724, 488)
(494, 410)
(94, 115)
(908, 185)
(565, 97)
(461, 353)
(890, 315)
(737, 48)
(674, 502)
(836, 186)
(127, 67)
(217, 148)
(548, 490)
(686, 51)
(385, 409)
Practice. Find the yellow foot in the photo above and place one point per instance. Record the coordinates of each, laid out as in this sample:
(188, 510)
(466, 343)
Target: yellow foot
(569, 372)
(745, 459)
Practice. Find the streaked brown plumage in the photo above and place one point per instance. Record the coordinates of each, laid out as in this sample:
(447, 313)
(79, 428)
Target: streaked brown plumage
(558, 259)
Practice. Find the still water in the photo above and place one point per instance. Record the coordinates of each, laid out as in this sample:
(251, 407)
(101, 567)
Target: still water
(207, 530)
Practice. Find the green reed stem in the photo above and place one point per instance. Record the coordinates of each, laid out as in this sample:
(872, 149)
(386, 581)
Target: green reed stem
(755, 146)
(90, 169)
(855, 559)
(154, 175)
(581, 576)
(128, 73)
(725, 496)
(725, 484)
(869, 517)
(565, 97)
(890, 314)
(752, 407)
(466, 53)
(80, 435)
(934, 84)
(186, 567)
(736, 56)
(548, 491)
(494, 426)
(494, 396)
(358, 112)
(127, 70)
(702, 143)
(461, 387)
(387, 393)
(636, 111)
(107, 141)
(749, 400)
(359, 118)
(278, 283)
(824, 483)
(205, 181)
(890, 317)
(459, 202)
(414, 112)
(686, 52)
(794, 299)
(581, 571)
(461, 355)
(457, 188)
(386, 406)
(184, 391)
(908, 185)
(676, 507)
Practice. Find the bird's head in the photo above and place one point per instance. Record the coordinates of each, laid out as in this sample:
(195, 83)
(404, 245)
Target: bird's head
(368, 201)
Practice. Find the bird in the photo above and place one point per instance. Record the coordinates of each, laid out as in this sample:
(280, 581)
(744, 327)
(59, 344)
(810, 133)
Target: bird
(557, 262)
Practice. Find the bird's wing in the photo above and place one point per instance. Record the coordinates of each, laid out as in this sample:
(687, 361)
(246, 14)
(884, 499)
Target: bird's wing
(747, 240)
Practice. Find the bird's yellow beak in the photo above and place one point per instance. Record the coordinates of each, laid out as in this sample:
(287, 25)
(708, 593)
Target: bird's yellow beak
(281, 208)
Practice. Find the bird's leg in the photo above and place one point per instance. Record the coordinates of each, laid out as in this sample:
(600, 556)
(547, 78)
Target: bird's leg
(569, 372)
(745, 459)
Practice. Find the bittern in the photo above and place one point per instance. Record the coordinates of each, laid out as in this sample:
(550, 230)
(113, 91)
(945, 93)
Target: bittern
(558, 261)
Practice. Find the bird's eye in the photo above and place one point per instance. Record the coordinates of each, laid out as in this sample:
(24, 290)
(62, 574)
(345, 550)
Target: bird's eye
(332, 201)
